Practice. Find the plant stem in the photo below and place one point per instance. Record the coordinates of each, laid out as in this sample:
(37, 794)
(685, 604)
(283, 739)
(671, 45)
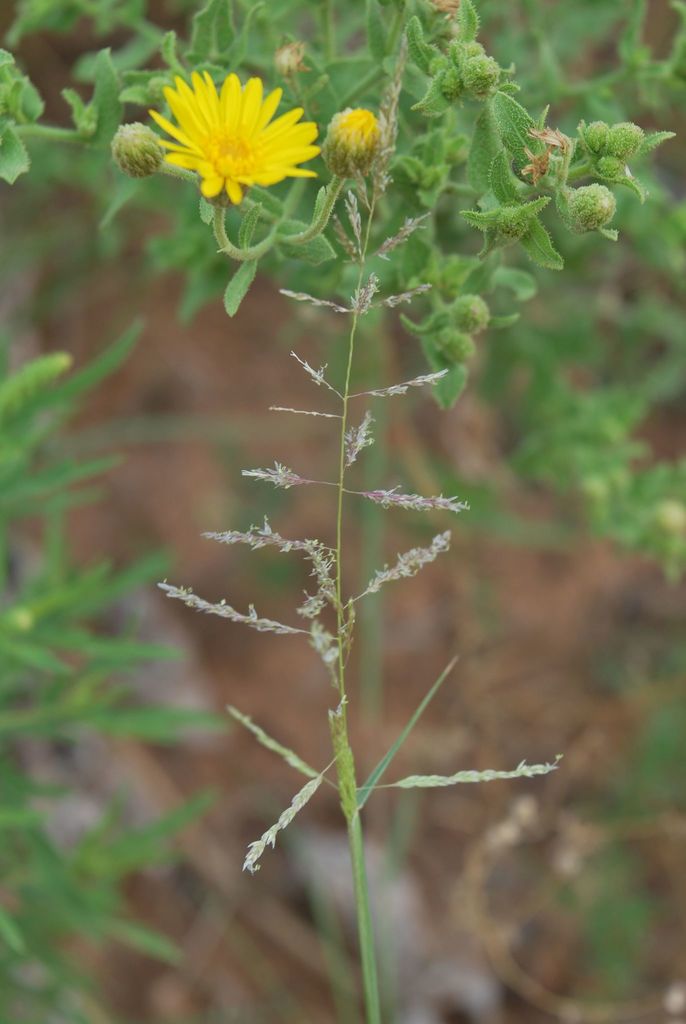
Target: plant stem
(50, 131)
(252, 252)
(345, 763)
(317, 226)
(329, 30)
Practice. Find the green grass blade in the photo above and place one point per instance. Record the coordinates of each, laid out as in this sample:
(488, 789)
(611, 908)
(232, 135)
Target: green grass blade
(365, 791)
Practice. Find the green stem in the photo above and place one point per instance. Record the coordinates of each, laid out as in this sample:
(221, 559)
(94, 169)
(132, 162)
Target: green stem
(50, 131)
(376, 73)
(345, 763)
(371, 611)
(580, 171)
(333, 191)
(172, 171)
(252, 252)
(365, 927)
(329, 30)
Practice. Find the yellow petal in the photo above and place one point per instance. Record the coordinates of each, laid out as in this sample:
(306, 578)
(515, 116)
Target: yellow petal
(170, 129)
(269, 108)
(286, 120)
(183, 160)
(212, 186)
(252, 105)
(230, 102)
(201, 97)
(184, 113)
(234, 191)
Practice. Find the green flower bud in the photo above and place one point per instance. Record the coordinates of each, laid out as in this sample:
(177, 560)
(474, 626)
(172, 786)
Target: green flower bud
(595, 136)
(454, 346)
(20, 619)
(471, 313)
(512, 224)
(611, 167)
(591, 207)
(136, 150)
(595, 489)
(480, 76)
(624, 140)
(352, 142)
(670, 516)
(473, 49)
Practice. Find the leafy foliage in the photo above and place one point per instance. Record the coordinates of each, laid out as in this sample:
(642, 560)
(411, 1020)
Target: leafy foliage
(62, 682)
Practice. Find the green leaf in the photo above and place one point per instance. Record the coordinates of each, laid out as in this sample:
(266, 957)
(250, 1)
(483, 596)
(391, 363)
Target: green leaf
(317, 250)
(238, 286)
(513, 123)
(289, 756)
(433, 103)
(521, 283)
(248, 225)
(206, 211)
(485, 146)
(376, 33)
(449, 388)
(155, 724)
(365, 791)
(8, 929)
(106, 102)
(169, 54)
(30, 381)
(420, 51)
(14, 159)
(212, 31)
(654, 139)
(501, 179)
(467, 21)
(539, 247)
(143, 940)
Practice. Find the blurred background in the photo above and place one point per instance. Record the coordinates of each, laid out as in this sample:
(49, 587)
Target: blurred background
(507, 902)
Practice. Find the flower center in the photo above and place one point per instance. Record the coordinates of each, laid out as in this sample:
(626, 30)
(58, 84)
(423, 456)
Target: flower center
(231, 155)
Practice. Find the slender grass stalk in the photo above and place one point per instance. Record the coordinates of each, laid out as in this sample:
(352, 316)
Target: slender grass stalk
(345, 763)
(329, 30)
(372, 524)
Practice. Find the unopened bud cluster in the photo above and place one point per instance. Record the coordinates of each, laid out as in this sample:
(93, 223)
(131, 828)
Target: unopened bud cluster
(464, 72)
(448, 333)
(610, 146)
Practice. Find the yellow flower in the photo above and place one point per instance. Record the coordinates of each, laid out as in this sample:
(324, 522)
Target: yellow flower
(228, 139)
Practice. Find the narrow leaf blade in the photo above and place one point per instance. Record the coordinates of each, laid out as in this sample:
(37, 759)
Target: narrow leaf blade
(365, 791)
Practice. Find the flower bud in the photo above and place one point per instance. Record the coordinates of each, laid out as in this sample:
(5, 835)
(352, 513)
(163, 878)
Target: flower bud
(624, 140)
(288, 59)
(472, 49)
(511, 223)
(595, 136)
(611, 167)
(591, 207)
(352, 142)
(454, 346)
(670, 515)
(136, 150)
(480, 76)
(595, 489)
(471, 313)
